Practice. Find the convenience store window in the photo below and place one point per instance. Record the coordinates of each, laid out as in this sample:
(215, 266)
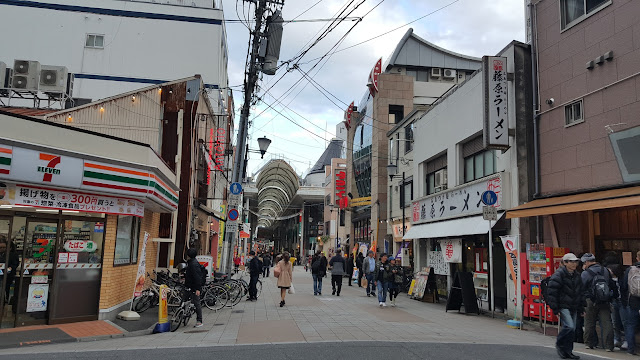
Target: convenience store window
(127, 240)
(83, 241)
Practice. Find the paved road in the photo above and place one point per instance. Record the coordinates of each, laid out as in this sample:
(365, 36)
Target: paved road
(321, 351)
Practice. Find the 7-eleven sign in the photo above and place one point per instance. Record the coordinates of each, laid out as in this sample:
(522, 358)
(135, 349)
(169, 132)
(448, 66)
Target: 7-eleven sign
(49, 169)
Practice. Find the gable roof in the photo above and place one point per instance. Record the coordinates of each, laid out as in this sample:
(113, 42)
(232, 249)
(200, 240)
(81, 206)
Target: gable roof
(334, 150)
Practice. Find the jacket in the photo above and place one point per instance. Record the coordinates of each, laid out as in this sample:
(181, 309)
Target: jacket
(348, 266)
(320, 268)
(193, 275)
(383, 272)
(286, 274)
(266, 261)
(565, 291)
(366, 265)
(255, 267)
(337, 264)
(359, 260)
(627, 299)
(398, 276)
(587, 280)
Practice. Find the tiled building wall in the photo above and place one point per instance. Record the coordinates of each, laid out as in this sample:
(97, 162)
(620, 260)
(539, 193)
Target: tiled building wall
(581, 156)
(118, 281)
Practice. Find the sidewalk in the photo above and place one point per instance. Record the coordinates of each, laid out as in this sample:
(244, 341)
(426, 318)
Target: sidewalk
(64, 333)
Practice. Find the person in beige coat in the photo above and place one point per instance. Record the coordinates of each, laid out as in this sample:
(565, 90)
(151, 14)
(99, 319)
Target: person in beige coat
(285, 276)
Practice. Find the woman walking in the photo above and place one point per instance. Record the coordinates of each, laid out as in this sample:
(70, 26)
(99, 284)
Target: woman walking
(285, 275)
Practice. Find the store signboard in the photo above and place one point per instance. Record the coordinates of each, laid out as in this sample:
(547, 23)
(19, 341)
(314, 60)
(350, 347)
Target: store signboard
(46, 168)
(462, 201)
(496, 111)
(398, 232)
(436, 261)
(38, 297)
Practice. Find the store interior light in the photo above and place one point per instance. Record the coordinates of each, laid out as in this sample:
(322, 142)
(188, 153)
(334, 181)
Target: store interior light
(70, 211)
(46, 211)
(5, 206)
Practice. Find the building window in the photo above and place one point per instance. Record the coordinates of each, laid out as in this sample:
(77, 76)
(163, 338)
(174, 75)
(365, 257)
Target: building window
(391, 201)
(94, 41)
(327, 200)
(396, 113)
(408, 136)
(479, 165)
(574, 11)
(127, 239)
(573, 113)
(436, 174)
(406, 193)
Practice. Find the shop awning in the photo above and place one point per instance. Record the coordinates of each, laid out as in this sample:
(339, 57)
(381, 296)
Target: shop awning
(579, 202)
(473, 225)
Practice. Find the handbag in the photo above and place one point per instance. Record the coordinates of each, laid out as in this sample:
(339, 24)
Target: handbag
(276, 271)
(292, 290)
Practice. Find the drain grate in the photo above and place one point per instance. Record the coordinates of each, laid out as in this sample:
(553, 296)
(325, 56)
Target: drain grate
(238, 311)
(195, 331)
(218, 324)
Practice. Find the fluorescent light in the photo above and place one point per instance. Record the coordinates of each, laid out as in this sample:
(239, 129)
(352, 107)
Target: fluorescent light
(5, 206)
(47, 211)
(70, 211)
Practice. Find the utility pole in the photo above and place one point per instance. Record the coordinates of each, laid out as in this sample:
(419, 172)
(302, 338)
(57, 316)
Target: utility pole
(241, 144)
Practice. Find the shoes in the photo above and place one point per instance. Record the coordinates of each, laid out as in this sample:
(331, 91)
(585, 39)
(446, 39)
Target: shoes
(197, 325)
(393, 303)
(384, 304)
(572, 356)
(589, 347)
(609, 350)
(373, 294)
(632, 354)
(338, 294)
(617, 344)
(624, 346)
(380, 304)
(315, 294)
(320, 293)
(282, 303)
(368, 295)
(333, 292)
(561, 353)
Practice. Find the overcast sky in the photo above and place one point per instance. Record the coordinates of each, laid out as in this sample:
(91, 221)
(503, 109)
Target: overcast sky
(470, 27)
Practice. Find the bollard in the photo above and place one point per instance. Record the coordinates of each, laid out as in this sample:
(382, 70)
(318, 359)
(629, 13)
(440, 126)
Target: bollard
(163, 318)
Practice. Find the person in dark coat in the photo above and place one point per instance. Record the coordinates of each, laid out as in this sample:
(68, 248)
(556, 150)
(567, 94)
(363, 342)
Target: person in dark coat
(193, 280)
(349, 269)
(255, 269)
(266, 265)
(630, 284)
(11, 264)
(318, 271)
(595, 309)
(565, 296)
(359, 260)
(337, 265)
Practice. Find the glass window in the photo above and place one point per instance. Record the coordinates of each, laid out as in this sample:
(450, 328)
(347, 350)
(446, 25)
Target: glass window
(573, 11)
(573, 113)
(431, 184)
(127, 239)
(489, 163)
(479, 165)
(422, 75)
(412, 73)
(94, 41)
(408, 136)
(468, 169)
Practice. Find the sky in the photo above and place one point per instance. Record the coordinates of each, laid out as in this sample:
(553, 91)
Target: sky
(470, 27)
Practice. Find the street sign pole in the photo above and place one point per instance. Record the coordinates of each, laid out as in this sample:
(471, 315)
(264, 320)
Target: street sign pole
(490, 198)
(491, 305)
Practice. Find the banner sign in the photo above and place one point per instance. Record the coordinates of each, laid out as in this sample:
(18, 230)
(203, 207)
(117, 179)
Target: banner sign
(452, 250)
(340, 184)
(511, 250)
(496, 111)
(347, 115)
(141, 276)
(38, 297)
(436, 261)
(374, 77)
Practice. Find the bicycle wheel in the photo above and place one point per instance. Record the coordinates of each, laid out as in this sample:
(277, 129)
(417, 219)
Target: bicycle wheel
(142, 302)
(259, 288)
(187, 315)
(235, 293)
(176, 319)
(174, 301)
(216, 298)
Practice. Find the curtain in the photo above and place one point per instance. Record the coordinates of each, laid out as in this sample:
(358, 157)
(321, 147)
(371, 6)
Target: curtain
(573, 10)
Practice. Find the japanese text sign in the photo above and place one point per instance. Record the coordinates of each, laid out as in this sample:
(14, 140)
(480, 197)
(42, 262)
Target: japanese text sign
(347, 115)
(452, 250)
(341, 189)
(496, 111)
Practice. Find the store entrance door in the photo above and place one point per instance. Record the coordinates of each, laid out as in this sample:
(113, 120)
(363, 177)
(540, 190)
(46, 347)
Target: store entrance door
(9, 263)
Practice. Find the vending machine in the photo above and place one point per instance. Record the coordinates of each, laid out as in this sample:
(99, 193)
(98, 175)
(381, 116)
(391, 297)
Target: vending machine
(538, 263)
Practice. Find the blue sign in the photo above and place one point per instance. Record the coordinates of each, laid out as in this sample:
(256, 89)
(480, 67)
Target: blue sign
(236, 188)
(233, 215)
(489, 198)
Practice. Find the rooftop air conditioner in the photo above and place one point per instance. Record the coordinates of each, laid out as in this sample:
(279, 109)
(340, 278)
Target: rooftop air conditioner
(53, 79)
(3, 74)
(449, 74)
(25, 75)
(436, 73)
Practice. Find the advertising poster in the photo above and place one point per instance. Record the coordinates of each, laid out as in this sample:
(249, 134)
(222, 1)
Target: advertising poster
(38, 297)
(140, 277)
(511, 250)
(452, 250)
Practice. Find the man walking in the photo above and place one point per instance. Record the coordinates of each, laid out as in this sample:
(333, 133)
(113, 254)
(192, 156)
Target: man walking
(598, 287)
(318, 271)
(337, 265)
(359, 260)
(630, 289)
(384, 277)
(565, 297)
(193, 279)
(349, 269)
(255, 269)
(266, 265)
(369, 270)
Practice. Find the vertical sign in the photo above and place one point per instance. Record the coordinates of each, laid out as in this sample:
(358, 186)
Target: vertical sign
(374, 77)
(140, 277)
(496, 115)
(511, 250)
(341, 189)
(347, 116)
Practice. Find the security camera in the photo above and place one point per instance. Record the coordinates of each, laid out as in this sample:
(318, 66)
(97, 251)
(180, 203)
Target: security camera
(550, 101)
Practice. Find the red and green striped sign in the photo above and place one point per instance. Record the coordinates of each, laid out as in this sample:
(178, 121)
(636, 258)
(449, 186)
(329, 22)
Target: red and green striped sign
(6, 154)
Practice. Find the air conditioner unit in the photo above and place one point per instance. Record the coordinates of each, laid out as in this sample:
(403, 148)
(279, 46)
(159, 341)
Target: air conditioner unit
(25, 75)
(449, 74)
(3, 74)
(436, 73)
(53, 79)
(462, 76)
(440, 181)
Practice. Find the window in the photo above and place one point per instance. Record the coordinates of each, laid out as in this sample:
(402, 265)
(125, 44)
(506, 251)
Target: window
(127, 239)
(408, 136)
(573, 11)
(327, 200)
(396, 113)
(391, 201)
(436, 174)
(479, 165)
(94, 41)
(406, 193)
(573, 113)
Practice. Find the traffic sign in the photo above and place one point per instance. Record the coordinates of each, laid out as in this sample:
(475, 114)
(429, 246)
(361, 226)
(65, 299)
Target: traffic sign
(233, 215)
(489, 198)
(232, 227)
(489, 213)
(234, 200)
(235, 188)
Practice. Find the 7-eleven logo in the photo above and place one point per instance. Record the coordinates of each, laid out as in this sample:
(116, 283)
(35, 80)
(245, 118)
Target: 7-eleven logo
(50, 169)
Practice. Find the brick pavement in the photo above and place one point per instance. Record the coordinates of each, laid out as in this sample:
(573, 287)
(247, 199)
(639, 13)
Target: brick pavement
(308, 318)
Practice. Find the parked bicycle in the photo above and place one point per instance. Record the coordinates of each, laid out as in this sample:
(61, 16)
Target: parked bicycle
(184, 312)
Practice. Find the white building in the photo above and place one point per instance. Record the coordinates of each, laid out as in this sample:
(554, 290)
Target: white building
(451, 168)
(115, 46)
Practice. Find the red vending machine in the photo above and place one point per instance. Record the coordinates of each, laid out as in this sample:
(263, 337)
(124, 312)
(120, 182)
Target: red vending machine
(538, 263)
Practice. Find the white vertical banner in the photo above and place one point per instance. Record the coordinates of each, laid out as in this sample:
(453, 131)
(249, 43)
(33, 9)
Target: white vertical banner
(496, 110)
(452, 250)
(141, 276)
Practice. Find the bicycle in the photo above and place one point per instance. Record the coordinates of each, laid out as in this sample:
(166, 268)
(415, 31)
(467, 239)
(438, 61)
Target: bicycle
(214, 296)
(183, 314)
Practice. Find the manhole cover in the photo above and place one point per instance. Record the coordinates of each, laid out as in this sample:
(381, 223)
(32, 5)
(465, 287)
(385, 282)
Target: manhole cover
(195, 331)
(238, 311)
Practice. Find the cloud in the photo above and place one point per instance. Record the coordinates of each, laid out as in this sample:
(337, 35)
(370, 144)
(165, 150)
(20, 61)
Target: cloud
(470, 27)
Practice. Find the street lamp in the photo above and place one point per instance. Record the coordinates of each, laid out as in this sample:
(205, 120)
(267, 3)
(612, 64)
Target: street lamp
(263, 144)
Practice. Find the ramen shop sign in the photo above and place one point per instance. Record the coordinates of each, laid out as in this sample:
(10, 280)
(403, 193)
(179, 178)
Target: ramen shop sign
(341, 189)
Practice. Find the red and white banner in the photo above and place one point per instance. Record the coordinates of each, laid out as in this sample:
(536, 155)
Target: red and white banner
(374, 77)
(510, 244)
(142, 271)
(452, 250)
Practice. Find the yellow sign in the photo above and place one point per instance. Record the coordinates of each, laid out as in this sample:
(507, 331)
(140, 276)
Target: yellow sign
(360, 201)
(162, 311)
(412, 287)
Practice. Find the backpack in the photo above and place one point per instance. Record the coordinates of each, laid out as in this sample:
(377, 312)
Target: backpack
(315, 266)
(633, 281)
(544, 288)
(600, 291)
(203, 275)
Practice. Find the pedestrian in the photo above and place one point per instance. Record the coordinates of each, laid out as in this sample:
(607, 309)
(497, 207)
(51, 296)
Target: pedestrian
(255, 269)
(318, 271)
(266, 265)
(236, 263)
(598, 286)
(11, 265)
(617, 310)
(630, 288)
(193, 280)
(566, 298)
(384, 276)
(349, 269)
(284, 273)
(359, 260)
(337, 265)
(396, 283)
(369, 269)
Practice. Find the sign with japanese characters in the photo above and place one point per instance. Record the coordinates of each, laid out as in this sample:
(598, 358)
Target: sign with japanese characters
(341, 189)
(41, 197)
(347, 115)
(398, 231)
(496, 111)
(436, 261)
(451, 250)
(374, 77)
(461, 201)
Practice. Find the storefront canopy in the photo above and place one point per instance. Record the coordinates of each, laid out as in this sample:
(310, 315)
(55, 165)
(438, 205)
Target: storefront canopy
(579, 202)
(473, 225)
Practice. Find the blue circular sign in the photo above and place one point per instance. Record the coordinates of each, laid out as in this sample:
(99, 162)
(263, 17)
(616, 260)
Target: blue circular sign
(235, 188)
(233, 215)
(489, 198)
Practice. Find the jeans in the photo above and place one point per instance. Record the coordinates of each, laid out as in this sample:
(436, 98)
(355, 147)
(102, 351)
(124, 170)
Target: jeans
(617, 314)
(601, 312)
(336, 283)
(564, 341)
(317, 284)
(394, 290)
(195, 300)
(383, 286)
(265, 271)
(631, 322)
(253, 290)
(360, 277)
(371, 289)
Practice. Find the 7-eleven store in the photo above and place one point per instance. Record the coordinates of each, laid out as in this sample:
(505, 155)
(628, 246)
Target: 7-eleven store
(74, 208)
